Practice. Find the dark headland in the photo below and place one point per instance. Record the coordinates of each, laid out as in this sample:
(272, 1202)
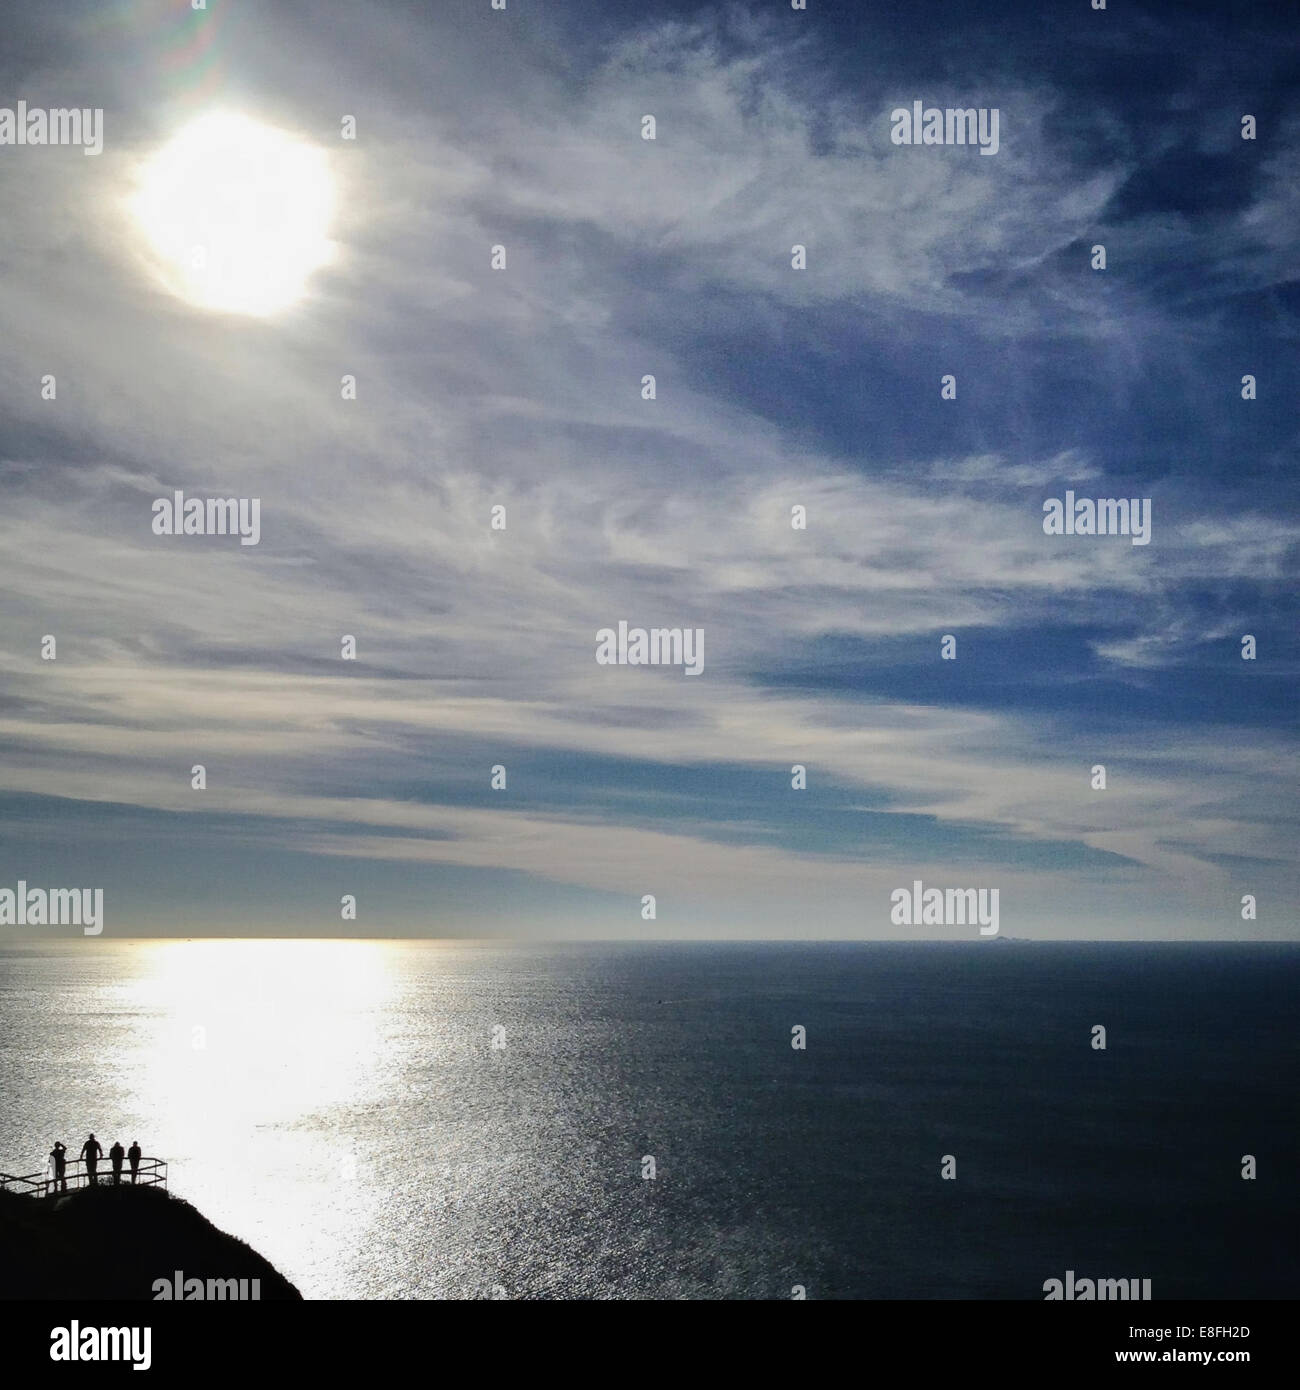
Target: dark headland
(115, 1242)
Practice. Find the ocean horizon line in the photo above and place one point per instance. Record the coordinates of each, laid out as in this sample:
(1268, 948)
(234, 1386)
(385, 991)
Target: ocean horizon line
(535, 941)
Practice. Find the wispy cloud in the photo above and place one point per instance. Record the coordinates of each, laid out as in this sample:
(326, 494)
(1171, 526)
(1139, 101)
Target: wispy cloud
(523, 388)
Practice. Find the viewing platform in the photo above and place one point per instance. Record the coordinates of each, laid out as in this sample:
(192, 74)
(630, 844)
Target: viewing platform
(152, 1173)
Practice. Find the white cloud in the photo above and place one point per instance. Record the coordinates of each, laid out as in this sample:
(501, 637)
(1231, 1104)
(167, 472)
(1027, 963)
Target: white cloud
(524, 389)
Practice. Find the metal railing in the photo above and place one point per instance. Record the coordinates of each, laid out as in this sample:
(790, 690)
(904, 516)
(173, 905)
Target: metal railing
(152, 1172)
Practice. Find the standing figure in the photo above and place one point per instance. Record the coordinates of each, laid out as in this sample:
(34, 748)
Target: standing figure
(58, 1158)
(92, 1153)
(115, 1156)
(133, 1157)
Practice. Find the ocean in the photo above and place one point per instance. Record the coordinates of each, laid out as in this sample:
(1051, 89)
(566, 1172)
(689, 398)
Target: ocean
(452, 1120)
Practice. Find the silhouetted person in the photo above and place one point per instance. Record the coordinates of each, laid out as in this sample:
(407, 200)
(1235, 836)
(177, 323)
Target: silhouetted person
(133, 1157)
(58, 1157)
(115, 1156)
(92, 1153)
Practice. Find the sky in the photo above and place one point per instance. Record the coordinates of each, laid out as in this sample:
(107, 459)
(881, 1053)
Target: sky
(775, 388)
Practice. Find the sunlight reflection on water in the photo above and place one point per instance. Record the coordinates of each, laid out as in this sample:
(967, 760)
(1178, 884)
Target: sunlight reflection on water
(340, 1106)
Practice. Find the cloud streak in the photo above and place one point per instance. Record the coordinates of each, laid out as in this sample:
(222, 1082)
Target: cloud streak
(523, 389)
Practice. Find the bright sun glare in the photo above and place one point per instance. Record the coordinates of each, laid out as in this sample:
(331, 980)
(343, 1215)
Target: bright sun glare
(237, 213)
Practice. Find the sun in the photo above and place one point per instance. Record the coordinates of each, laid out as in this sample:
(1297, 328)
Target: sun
(237, 214)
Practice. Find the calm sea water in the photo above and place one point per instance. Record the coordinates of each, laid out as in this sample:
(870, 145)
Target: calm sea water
(340, 1106)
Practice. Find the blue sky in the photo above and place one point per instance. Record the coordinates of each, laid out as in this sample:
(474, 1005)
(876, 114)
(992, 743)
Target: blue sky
(775, 387)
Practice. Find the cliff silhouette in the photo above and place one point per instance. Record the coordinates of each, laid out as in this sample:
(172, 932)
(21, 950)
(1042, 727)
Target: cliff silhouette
(114, 1242)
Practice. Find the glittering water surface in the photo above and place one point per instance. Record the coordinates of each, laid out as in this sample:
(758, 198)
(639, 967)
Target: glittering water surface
(340, 1106)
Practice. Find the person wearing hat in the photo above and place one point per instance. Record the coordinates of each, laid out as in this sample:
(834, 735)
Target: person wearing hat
(58, 1157)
